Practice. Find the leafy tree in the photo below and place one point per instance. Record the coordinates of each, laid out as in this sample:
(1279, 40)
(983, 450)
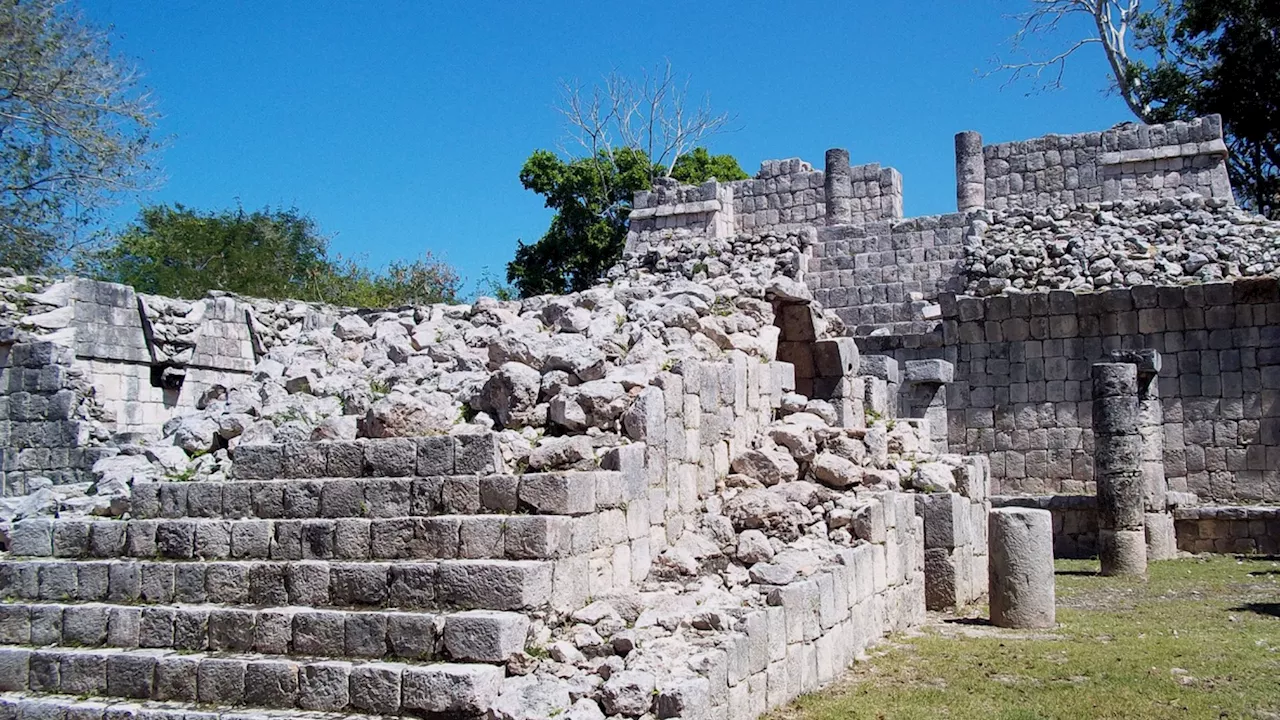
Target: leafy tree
(700, 166)
(1180, 59)
(592, 199)
(75, 131)
(1221, 56)
(628, 132)
(268, 253)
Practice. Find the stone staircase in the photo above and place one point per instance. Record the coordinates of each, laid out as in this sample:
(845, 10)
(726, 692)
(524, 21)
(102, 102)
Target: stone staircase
(389, 577)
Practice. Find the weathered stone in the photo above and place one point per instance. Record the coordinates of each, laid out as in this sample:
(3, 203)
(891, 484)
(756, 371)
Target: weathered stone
(485, 636)
(1021, 568)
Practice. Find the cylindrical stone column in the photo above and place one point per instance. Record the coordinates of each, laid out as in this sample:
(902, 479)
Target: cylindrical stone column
(838, 186)
(1117, 463)
(1020, 567)
(971, 172)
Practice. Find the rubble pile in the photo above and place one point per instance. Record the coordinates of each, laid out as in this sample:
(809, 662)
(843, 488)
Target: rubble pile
(561, 384)
(1095, 246)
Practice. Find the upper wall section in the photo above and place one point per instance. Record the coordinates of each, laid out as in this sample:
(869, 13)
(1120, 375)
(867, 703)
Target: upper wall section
(1127, 162)
(786, 196)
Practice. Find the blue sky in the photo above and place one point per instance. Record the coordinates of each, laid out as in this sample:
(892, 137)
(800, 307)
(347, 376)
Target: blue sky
(401, 126)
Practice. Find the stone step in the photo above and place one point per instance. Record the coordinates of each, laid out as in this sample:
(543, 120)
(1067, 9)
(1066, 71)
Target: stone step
(475, 454)
(557, 493)
(433, 585)
(439, 537)
(30, 706)
(471, 636)
(252, 680)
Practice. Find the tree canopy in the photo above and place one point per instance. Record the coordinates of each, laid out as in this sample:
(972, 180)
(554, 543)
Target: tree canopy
(267, 253)
(1177, 60)
(75, 130)
(1220, 56)
(592, 199)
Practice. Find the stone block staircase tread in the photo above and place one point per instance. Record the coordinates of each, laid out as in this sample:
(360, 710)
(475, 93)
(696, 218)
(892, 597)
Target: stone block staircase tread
(473, 636)
(252, 680)
(564, 493)
(437, 537)
(427, 585)
(20, 705)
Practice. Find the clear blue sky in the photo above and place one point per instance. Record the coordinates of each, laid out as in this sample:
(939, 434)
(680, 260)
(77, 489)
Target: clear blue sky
(401, 126)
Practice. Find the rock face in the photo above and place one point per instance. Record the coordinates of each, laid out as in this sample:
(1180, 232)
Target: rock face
(1021, 568)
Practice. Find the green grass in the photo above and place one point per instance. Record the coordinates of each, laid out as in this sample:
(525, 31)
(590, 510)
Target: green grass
(1200, 638)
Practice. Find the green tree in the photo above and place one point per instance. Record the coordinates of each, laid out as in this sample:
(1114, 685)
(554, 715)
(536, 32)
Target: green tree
(700, 166)
(627, 132)
(1220, 56)
(1177, 60)
(75, 130)
(181, 252)
(592, 199)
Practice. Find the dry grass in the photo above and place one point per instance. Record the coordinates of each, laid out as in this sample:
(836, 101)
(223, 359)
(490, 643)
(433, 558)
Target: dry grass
(1200, 638)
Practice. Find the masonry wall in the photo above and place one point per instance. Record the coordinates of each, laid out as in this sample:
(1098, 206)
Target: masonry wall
(785, 196)
(1253, 529)
(1128, 161)
(1021, 392)
(884, 273)
(1204, 529)
(40, 434)
(707, 209)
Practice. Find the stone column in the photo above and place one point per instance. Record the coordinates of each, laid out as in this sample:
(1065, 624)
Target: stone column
(971, 172)
(1020, 567)
(1162, 543)
(838, 180)
(1117, 470)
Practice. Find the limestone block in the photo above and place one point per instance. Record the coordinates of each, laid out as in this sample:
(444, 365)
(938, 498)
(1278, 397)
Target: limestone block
(412, 635)
(375, 688)
(485, 636)
(942, 578)
(324, 686)
(568, 493)
(1122, 552)
(271, 683)
(837, 357)
(1161, 539)
(928, 371)
(131, 675)
(1021, 568)
(456, 689)
(946, 519)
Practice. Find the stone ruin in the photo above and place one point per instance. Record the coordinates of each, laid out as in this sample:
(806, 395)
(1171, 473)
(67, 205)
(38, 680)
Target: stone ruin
(768, 438)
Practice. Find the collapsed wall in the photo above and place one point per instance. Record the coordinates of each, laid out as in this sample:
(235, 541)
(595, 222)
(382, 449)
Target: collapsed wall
(685, 492)
(610, 503)
(1065, 248)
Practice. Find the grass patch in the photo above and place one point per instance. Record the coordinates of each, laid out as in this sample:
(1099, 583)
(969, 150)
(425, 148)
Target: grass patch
(1200, 638)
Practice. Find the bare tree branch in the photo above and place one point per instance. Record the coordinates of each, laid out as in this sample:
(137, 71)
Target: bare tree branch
(653, 115)
(1111, 22)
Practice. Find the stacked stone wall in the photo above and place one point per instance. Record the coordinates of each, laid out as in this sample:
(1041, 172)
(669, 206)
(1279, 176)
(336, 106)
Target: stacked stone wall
(1249, 529)
(786, 195)
(1244, 529)
(1022, 396)
(1129, 161)
(43, 433)
(707, 209)
(884, 274)
(955, 547)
